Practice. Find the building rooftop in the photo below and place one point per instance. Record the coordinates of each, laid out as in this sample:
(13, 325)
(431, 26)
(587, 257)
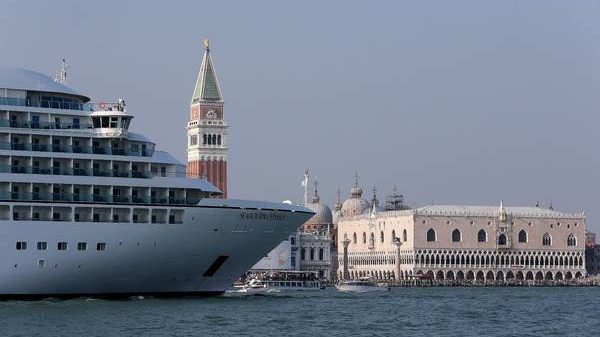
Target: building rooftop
(474, 210)
(22, 79)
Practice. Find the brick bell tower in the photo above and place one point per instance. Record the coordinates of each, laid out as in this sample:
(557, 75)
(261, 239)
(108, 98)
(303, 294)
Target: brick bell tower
(207, 130)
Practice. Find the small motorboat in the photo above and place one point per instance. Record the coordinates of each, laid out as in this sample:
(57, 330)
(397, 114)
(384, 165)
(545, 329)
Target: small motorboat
(361, 285)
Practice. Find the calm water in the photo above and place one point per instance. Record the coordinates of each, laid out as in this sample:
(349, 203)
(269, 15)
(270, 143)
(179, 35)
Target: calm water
(403, 311)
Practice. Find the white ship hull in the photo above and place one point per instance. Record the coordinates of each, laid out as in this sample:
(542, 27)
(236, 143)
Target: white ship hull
(144, 259)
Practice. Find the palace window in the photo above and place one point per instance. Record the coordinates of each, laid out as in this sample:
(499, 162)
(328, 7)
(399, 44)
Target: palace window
(502, 240)
(382, 237)
(354, 238)
(522, 236)
(393, 234)
(302, 254)
(404, 236)
(364, 237)
(547, 240)
(571, 240)
(312, 254)
(456, 237)
(431, 235)
(193, 140)
(321, 254)
(481, 236)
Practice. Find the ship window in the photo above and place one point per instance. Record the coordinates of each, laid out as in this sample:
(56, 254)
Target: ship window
(82, 246)
(96, 121)
(42, 245)
(114, 121)
(62, 246)
(21, 245)
(105, 122)
(101, 246)
(75, 123)
(41, 263)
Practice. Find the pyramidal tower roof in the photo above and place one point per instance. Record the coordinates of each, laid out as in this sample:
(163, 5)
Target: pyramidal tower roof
(207, 85)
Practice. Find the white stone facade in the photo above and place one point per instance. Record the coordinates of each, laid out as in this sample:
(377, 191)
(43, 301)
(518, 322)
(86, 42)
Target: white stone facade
(478, 243)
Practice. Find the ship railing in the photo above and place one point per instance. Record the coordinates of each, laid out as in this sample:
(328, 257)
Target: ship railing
(28, 169)
(43, 125)
(103, 198)
(64, 105)
(75, 149)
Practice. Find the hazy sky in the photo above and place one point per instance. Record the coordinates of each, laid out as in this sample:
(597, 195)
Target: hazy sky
(452, 101)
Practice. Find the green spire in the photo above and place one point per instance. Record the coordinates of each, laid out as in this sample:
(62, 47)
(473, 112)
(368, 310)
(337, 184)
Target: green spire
(207, 85)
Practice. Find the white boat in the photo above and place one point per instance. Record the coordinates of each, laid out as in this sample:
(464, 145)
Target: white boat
(361, 285)
(89, 208)
(282, 281)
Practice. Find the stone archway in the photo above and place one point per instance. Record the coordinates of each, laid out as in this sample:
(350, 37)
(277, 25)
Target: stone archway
(558, 276)
(480, 276)
(539, 276)
(529, 275)
(510, 276)
(470, 275)
(569, 275)
(450, 275)
(548, 276)
(520, 276)
(500, 276)
(439, 275)
(490, 276)
(460, 275)
(578, 275)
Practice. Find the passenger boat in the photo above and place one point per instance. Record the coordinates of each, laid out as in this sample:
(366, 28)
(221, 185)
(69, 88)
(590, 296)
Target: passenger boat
(281, 281)
(361, 285)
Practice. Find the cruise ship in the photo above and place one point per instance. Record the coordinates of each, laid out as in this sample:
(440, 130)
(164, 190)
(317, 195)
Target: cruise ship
(89, 208)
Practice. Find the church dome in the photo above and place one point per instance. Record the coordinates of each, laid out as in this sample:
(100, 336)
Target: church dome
(323, 212)
(356, 205)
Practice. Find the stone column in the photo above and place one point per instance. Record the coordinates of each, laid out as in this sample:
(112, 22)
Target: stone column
(398, 245)
(345, 243)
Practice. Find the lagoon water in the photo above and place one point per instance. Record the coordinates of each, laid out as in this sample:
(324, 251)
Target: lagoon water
(473, 311)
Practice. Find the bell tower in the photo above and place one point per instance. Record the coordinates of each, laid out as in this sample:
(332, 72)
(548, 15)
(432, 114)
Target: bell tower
(207, 129)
